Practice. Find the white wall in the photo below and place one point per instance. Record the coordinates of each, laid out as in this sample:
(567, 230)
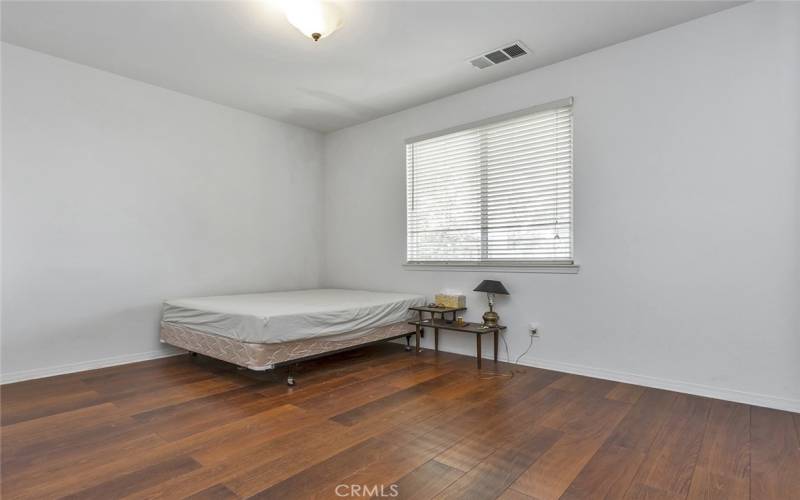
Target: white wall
(687, 181)
(118, 194)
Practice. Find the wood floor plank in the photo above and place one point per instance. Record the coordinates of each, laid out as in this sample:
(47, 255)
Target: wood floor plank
(126, 484)
(278, 457)
(797, 424)
(586, 386)
(216, 492)
(669, 465)
(243, 436)
(221, 440)
(426, 413)
(326, 474)
(172, 395)
(390, 402)
(49, 457)
(708, 485)
(553, 472)
(626, 393)
(375, 427)
(586, 425)
(186, 424)
(501, 428)
(640, 491)
(723, 467)
(512, 494)
(205, 404)
(775, 454)
(345, 398)
(426, 481)
(493, 475)
(313, 449)
(58, 426)
(642, 424)
(430, 424)
(586, 417)
(45, 407)
(607, 475)
(180, 362)
(403, 453)
(726, 443)
(32, 391)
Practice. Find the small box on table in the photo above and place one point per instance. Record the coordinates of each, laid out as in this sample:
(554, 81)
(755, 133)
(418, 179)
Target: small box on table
(451, 300)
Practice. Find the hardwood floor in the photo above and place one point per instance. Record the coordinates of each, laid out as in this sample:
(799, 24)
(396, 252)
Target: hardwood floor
(427, 426)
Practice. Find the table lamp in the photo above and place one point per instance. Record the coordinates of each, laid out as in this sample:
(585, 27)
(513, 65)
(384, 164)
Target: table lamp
(490, 317)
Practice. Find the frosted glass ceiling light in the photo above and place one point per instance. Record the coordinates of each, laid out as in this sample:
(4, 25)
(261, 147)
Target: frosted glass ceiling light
(313, 18)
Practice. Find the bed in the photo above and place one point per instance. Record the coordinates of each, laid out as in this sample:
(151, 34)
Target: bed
(262, 331)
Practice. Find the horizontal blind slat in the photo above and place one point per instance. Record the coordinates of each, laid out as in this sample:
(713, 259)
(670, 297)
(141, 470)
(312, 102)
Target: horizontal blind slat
(495, 193)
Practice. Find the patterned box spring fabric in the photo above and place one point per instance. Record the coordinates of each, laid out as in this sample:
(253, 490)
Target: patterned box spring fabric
(260, 356)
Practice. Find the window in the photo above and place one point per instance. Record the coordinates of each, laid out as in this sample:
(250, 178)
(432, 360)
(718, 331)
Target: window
(497, 192)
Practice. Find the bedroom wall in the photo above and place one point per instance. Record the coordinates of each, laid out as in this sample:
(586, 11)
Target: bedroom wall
(687, 181)
(117, 194)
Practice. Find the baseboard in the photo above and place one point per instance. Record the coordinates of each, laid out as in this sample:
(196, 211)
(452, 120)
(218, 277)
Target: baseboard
(8, 378)
(736, 396)
(733, 395)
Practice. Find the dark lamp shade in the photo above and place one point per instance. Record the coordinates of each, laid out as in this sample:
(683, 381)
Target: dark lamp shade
(490, 286)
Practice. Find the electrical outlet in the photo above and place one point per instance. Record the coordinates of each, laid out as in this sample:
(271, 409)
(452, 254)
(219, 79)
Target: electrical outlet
(533, 329)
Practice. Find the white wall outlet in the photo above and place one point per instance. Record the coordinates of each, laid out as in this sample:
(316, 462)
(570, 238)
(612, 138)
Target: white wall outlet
(533, 329)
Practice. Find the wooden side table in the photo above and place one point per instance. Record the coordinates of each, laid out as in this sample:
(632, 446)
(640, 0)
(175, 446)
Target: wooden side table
(475, 328)
(437, 310)
(441, 311)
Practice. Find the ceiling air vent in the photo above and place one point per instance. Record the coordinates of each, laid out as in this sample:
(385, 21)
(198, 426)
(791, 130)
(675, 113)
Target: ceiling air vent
(481, 62)
(501, 55)
(515, 50)
(497, 56)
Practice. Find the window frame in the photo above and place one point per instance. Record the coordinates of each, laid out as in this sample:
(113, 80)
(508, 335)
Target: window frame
(556, 267)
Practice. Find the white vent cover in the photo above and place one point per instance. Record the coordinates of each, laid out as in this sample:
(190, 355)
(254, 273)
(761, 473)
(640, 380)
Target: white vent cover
(500, 55)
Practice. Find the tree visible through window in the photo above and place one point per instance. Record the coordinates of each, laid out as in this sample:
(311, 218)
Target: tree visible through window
(493, 193)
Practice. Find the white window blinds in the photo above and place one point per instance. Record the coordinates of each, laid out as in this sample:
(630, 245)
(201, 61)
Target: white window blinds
(497, 192)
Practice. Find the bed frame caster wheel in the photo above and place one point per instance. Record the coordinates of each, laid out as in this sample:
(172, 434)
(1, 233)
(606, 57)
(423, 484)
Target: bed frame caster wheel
(290, 381)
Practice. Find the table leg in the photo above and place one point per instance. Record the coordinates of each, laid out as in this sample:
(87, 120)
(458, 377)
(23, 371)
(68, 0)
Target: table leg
(496, 338)
(416, 350)
(436, 339)
(478, 348)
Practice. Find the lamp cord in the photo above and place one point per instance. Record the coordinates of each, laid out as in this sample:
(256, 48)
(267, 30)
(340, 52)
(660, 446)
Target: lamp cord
(508, 359)
(526, 351)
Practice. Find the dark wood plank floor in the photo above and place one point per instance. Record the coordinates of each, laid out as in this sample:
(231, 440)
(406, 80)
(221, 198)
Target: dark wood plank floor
(427, 426)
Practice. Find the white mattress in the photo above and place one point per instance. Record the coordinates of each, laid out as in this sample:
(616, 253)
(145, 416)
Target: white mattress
(286, 316)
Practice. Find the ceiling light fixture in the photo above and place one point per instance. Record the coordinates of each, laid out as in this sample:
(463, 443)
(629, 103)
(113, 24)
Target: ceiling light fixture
(313, 18)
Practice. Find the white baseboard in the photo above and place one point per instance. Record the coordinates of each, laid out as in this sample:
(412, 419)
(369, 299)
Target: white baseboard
(8, 378)
(736, 396)
(670, 385)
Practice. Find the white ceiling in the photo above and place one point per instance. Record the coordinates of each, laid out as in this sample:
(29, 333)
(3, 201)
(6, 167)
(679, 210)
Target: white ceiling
(388, 56)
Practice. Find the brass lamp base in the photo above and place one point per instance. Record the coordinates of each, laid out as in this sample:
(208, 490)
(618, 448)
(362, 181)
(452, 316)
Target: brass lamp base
(490, 318)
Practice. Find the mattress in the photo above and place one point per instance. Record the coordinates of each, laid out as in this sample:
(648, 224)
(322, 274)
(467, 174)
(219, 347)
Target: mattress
(277, 317)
